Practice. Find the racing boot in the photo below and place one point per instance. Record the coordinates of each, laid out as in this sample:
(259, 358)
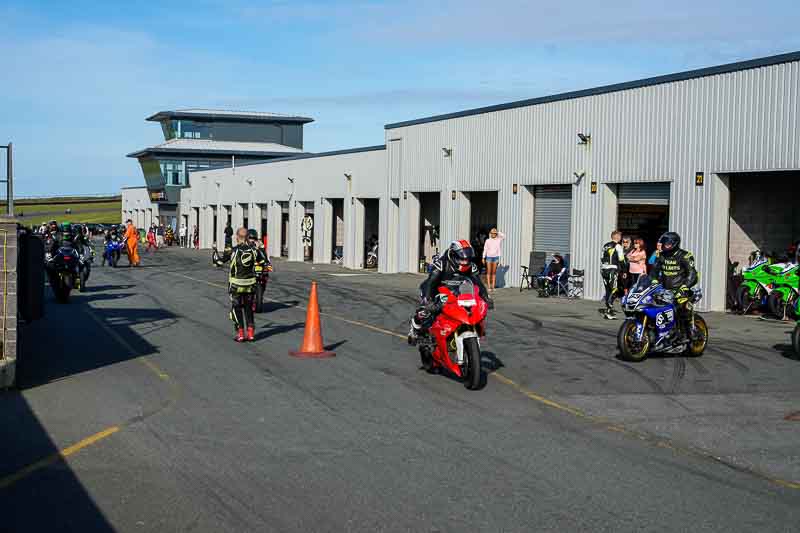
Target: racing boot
(240, 335)
(251, 333)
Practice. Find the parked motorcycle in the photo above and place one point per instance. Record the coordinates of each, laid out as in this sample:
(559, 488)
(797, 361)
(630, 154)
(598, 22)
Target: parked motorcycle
(756, 283)
(262, 278)
(785, 290)
(453, 340)
(113, 251)
(651, 324)
(372, 254)
(63, 272)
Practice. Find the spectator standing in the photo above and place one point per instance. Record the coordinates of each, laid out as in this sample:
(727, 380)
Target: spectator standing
(183, 234)
(151, 240)
(654, 256)
(196, 237)
(228, 235)
(611, 263)
(492, 252)
(160, 235)
(637, 261)
(132, 242)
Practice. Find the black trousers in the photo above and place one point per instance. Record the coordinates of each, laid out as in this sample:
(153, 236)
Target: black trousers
(611, 283)
(242, 308)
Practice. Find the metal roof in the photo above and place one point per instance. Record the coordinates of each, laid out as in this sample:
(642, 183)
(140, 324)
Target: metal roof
(242, 116)
(647, 82)
(211, 147)
(309, 156)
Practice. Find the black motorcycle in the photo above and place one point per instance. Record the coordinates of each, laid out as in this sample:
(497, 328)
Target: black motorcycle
(63, 272)
(85, 260)
(262, 278)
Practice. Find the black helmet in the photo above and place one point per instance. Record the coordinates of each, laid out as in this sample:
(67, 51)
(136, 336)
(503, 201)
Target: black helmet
(460, 255)
(670, 242)
(252, 235)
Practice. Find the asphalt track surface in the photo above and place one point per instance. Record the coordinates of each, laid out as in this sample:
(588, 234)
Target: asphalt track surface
(137, 412)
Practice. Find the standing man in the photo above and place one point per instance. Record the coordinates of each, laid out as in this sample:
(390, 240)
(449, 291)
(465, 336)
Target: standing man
(160, 236)
(228, 235)
(242, 283)
(612, 264)
(183, 235)
(132, 242)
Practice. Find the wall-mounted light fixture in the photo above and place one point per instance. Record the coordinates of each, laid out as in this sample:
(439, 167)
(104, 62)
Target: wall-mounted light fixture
(447, 152)
(352, 200)
(579, 176)
(514, 188)
(452, 195)
(405, 195)
(347, 176)
(250, 182)
(584, 138)
(291, 180)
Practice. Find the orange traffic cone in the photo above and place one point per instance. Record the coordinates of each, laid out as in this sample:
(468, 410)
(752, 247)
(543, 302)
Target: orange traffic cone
(312, 337)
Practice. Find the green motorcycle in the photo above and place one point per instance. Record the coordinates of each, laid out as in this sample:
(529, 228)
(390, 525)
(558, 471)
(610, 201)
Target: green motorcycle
(785, 291)
(756, 284)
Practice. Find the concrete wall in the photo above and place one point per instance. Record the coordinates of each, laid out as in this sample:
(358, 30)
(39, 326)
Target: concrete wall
(290, 183)
(136, 205)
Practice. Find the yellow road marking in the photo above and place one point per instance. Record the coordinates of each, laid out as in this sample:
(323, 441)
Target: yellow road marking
(551, 403)
(56, 457)
(125, 344)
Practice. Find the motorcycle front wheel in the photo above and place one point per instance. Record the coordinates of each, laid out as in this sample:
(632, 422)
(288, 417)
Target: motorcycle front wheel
(631, 349)
(427, 359)
(472, 365)
(775, 304)
(84, 277)
(697, 347)
(744, 298)
(796, 340)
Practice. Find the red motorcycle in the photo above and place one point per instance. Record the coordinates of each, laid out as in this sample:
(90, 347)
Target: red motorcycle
(452, 341)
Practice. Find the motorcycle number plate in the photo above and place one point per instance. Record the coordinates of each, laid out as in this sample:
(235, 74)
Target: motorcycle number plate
(467, 303)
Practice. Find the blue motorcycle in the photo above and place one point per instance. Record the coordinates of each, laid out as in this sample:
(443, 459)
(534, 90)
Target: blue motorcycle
(651, 324)
(113, 251)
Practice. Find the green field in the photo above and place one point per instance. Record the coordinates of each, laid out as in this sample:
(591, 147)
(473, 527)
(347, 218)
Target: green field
(33, 212)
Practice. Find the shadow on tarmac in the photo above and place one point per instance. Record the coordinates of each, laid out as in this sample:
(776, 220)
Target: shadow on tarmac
(68, 341)
(270, 330)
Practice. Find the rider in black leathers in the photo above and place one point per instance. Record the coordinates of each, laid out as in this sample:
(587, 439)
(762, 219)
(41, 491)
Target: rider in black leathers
(675, 271)
(455, 266)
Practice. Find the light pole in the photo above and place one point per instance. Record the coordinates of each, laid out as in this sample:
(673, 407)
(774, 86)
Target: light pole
(9, 181)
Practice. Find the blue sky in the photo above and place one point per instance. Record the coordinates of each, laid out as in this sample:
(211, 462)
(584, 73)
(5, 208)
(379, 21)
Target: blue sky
(78, 78)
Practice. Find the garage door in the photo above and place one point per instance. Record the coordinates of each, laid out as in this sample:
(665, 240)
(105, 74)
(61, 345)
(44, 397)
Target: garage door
(643, 193)
(552, 215)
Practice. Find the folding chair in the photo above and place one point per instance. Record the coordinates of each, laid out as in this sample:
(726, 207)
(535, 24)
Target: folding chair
(529, 273)
(576, 284)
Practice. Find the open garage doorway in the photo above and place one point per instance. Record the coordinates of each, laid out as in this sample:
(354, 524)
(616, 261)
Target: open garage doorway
(764, 215)
(307, 231)
(429, 213)
(371, 232)
(245, 215)
(481, 207)
(643, 211)
(263, 225)
(284, 228)
(337, 230)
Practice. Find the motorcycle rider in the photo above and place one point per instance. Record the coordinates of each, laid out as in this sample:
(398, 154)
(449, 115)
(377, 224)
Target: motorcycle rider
(262, 259)
(675, 271)
(612, 264)
(242, 281)
(455, 265)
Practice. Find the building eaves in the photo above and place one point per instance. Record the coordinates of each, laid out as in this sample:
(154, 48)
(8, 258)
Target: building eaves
(239, 116)
(647, 82)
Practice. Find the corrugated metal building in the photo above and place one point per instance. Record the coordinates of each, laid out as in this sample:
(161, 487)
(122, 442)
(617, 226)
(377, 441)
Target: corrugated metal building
(713, 154)
(673, 151)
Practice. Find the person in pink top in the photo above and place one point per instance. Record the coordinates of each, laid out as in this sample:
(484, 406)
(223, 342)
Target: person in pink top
(637, 259)
(492, 251)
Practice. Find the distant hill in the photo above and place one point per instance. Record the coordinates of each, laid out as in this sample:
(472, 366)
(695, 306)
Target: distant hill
(84, 209)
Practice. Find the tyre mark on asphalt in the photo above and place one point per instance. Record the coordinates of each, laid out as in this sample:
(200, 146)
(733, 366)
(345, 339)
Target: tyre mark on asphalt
(678, 372)
(738, 365)
(698, 366)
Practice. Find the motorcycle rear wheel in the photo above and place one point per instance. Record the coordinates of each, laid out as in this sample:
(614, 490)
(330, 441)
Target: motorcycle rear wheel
(696, 348)
(775, 304)
(796, 341)
(472, 352)
(628, 347)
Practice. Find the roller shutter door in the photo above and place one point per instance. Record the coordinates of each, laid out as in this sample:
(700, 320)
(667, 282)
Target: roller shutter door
(552, 215)
(643, 193)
